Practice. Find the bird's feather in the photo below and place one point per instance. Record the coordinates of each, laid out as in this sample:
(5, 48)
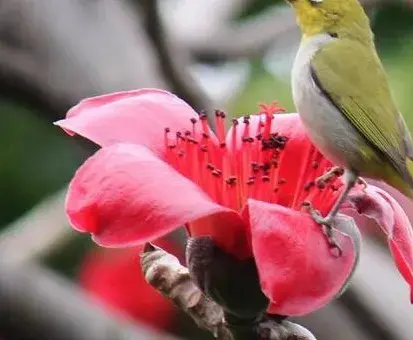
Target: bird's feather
(354, 80)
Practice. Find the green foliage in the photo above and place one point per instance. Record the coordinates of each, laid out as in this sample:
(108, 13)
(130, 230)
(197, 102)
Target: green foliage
(258, 6)
(68, 260)
(262, 87)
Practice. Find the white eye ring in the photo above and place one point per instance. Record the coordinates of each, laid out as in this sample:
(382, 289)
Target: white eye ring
(316, 1)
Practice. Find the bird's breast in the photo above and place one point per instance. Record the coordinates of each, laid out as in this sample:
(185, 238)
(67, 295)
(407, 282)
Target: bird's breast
(326, 126)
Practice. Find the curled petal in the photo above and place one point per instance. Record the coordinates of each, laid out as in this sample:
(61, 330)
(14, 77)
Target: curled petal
(124, 195)
(138, 117)
(378, 204)
(298, 271)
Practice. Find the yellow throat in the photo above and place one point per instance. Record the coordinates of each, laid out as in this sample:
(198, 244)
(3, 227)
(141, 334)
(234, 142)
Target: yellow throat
(344, 18)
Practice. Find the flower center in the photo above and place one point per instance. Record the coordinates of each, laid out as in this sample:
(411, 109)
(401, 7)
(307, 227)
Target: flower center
(246, 163)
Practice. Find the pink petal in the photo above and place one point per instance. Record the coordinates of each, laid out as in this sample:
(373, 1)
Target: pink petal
(383, 208)
(298, 272)
(405, 202)
(138, 117)
(124, 195)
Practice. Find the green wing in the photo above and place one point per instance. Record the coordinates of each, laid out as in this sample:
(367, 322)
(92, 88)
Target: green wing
(352, 76)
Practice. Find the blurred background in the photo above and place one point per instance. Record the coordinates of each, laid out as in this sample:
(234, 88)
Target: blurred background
(54, 283)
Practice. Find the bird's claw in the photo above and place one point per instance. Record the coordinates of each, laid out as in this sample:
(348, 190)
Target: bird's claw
(330, 174)
(332, 242)
(326, 224)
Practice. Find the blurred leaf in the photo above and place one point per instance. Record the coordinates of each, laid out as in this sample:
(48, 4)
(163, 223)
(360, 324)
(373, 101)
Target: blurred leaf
(67, 260)
(393, 26)
(37, 159)
(258, 6)
(262, 87)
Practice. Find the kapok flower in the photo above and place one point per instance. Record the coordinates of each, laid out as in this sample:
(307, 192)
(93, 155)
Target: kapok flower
(161, 166)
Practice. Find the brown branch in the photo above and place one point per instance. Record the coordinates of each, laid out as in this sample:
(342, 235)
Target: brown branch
(173, 61)
(164, 272)
(167, 275)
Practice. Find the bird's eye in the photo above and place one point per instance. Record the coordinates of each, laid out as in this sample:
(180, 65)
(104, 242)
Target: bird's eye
(315, 2)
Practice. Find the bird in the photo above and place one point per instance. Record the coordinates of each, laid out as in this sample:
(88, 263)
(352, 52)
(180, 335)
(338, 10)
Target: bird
(342, 94)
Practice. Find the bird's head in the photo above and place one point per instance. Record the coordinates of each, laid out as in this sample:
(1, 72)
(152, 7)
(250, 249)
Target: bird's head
(345, 17)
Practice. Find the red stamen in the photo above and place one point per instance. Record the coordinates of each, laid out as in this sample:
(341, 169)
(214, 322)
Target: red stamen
(220, 125)
(252, 169)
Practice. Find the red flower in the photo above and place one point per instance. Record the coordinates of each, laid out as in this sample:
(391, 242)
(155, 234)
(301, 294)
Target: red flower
(113, 277)
(161, 166)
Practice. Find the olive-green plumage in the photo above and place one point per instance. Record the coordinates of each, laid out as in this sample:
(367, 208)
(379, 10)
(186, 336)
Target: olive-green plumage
(341, 91)
(359, 89)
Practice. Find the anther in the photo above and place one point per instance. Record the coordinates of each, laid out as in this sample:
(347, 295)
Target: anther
(223, 145)
(210, 166)
(274, 142)
(255, 167)
(309, 185)
(282, 181)
(167, 130)
(193, 120)
(339, 172)
(219, 113)
(192, 140)
(321, 185)
(265, 178)
(315, 165)
(265, 166)
(203, 115)
(232, 180)
(216, 173)
(235, 121)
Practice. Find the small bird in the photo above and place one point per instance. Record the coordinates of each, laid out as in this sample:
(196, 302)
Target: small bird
(342, 94)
